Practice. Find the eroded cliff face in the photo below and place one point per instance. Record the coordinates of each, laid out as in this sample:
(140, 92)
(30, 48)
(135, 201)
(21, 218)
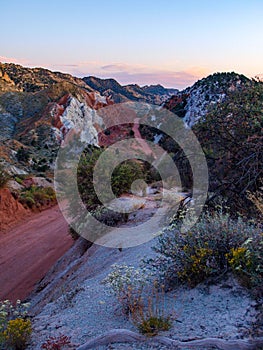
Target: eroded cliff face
(38, 122)
(11, 211)
(76, 115)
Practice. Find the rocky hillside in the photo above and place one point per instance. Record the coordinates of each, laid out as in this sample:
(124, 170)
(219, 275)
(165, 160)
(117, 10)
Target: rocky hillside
(39, 107)
(37, 122)
(14, 77)
(194, 102)
(155, 94)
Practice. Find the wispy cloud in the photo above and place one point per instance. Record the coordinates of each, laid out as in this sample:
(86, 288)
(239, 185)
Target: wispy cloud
(122, 67)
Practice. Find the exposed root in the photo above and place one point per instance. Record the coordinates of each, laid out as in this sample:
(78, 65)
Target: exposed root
(126, 336)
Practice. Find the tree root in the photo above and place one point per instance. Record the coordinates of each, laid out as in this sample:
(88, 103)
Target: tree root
(126, 336)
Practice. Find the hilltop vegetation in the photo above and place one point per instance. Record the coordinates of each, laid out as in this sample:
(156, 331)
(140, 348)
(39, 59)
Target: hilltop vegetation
(232, 139)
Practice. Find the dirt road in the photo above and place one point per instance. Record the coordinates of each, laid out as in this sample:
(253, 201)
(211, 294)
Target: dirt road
(144, 145)
(28, 251)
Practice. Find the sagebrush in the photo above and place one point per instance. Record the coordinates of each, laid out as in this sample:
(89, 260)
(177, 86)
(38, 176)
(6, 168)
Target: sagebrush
(208, 250)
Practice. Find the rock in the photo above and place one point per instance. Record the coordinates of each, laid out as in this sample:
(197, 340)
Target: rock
(17, 171)
(36, 181)
(15, 186)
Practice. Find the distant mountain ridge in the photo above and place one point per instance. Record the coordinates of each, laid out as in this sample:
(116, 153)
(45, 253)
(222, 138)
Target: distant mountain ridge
(15, 77)
(121, 93)
(39, 107)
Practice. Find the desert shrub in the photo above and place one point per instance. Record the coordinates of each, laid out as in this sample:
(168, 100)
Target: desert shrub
(153, 325)
(17, 333)
(151, 317)
(8, 312)
(127, 284)
(37, 196)
(4, 177)
(205, 251)
(56, 343)
(141, 298)
(122, 178)
(246, 261)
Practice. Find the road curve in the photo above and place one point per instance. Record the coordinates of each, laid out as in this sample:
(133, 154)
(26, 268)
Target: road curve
(28, 250)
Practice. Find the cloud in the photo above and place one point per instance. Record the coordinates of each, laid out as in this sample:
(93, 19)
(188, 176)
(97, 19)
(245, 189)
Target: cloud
(65, 65)
(122, 67)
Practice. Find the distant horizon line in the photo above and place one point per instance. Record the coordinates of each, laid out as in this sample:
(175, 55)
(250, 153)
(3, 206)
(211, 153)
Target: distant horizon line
(84, 75)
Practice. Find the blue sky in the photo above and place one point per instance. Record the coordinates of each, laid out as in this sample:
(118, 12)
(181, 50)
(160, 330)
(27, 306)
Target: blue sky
(169, 42)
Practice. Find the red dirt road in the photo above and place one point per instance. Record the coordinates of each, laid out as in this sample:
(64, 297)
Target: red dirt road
(146, 148)
(29, 250)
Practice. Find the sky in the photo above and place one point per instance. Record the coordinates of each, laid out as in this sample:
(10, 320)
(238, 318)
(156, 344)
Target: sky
(168, 42)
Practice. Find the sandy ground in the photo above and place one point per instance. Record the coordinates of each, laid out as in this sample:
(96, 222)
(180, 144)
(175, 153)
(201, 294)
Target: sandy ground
(28, 250)
(81, 307)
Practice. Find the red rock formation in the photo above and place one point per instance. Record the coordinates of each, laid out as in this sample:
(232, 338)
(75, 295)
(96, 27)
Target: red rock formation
(114, 134)
(11, 211)
(175, 100)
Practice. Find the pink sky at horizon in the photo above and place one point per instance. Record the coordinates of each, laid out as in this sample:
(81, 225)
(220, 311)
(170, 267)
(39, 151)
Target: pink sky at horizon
(126, 73)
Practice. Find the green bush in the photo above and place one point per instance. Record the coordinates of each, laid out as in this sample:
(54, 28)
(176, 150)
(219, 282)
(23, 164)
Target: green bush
(17, 333)
(8, 312)
(208, 250)
(37, 196)
(122, 177)
(154, 324)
